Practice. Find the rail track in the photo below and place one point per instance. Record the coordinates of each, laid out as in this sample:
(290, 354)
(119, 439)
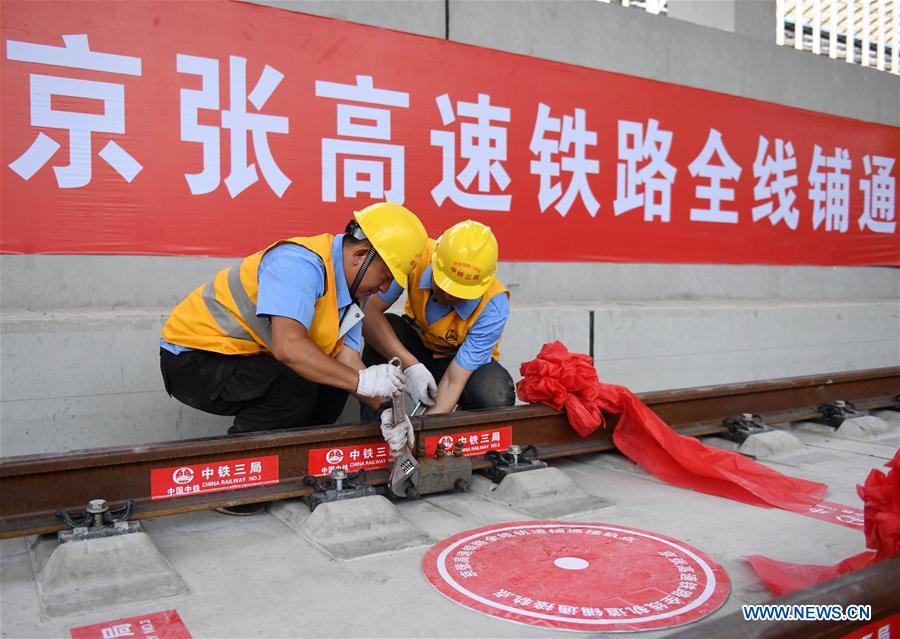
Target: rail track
(33, 487)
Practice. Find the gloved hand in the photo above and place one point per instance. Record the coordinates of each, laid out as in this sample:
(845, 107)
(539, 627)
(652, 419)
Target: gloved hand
(397, 436)
(421, 386)
(381, 380)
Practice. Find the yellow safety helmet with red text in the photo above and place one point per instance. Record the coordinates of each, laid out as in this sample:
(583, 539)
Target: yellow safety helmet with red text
(465, 259)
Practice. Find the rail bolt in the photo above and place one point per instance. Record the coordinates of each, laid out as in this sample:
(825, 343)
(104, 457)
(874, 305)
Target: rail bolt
(339, 475)
(97, 508)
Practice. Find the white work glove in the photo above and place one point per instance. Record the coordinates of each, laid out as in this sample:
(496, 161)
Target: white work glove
(381, 380)
(420, 385)
(397, 436)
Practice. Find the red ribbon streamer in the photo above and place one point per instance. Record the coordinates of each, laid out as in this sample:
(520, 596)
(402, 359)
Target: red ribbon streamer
(565, 380)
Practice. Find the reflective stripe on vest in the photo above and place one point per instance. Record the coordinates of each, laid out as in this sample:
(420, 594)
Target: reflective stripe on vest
(446, 335)
(217, 318)
(219, 313)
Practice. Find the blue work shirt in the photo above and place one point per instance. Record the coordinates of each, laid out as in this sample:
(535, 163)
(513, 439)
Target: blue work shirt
(478, 346)
(291, 280)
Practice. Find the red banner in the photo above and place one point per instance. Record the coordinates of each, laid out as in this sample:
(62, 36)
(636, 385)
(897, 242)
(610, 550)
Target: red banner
(213, 477)
(155, 625)
(839, 514)
(322, 461)
(214, 128)
(475, 442)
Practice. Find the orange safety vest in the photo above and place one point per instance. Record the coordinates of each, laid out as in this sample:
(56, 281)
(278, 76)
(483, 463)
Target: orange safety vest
(220, 316)
(447, 334)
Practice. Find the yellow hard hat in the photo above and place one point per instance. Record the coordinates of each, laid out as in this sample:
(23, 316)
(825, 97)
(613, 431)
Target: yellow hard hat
(396, 234)
(465, 259)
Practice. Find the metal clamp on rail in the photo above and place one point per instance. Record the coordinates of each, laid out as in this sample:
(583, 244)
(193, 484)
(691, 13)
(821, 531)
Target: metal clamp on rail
(740, 428)
(338, 486)
(97, 521)
(514, 460)
(835, 413)
(446, 471)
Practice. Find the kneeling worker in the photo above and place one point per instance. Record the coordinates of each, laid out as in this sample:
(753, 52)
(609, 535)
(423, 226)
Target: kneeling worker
(275, 340)
(455, 314)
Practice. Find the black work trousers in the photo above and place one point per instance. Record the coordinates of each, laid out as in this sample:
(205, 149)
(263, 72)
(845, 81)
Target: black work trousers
(261, 392)
(489, 386)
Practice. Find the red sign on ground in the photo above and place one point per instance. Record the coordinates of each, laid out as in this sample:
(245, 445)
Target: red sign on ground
(477, 442)
(125, 132)
(211, 477)
(836, 514)
(156, 625)
(351, 458)
(577, 576)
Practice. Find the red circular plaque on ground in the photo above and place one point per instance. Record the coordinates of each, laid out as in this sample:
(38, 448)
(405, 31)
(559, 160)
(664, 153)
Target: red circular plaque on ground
(577, 576)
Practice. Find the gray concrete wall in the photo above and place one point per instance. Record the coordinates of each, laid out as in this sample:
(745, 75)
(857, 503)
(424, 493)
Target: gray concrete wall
(79, 333)
(81, 370)
(628, 40)
(718, 15)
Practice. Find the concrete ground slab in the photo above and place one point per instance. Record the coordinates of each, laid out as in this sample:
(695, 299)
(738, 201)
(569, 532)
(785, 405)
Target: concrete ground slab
(803, 457)
(480, 485)
(356, 528)
(882, 427)
(546, 494)
(96, 573)
(890, 416)
(254, 577)
(800, 455)
(721, 443)
(293, 512)
(615, 460)
(781, 447)
(814, 438)
(891, 439)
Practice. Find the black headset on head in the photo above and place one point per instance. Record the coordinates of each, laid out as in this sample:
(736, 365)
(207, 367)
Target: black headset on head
(355, 231)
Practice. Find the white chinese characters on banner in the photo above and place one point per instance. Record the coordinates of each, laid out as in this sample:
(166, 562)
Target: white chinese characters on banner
(366, 161)
(75, 54)
(117, 631)
(714, 192)
(773, 180)
(545, 148)
(573, 134)
(192, 100)
(650, 186)
(830, 192)
(237, 120)
(369, 123)
(879, 195)
(482, 144)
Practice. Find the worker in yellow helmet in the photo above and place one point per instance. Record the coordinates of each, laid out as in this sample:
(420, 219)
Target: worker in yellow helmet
(275, 340)
(455, 314)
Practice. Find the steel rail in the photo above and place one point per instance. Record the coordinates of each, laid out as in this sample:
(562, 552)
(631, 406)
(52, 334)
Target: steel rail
(33, 487)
